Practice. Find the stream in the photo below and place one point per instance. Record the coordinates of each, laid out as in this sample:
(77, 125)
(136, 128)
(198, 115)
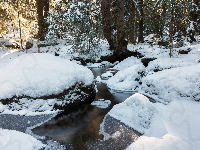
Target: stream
(82, 124)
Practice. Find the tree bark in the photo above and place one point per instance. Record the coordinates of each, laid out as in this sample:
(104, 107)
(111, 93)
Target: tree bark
(122, 44)
(106, 21)
(141, 21)
(42, 13)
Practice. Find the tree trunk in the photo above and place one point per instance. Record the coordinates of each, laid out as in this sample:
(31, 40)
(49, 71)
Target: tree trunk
(106, 21)
(132, 34)
(42, 13)
(46, 11)
(141, 21)
(121, 43)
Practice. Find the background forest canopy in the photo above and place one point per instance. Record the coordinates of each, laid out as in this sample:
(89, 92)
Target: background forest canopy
(89, 21)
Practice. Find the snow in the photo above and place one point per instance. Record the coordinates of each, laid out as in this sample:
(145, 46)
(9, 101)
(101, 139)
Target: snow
(30, 107)
(95, 65)
(40, 74)
(2, 107)
(136, 112)
(98, 79)
(10, 140)
(149, 51)
(176, 83)
(128, 62)
(107, 75)
(172, 126)
(126, 79)
(167, 63)
(175, 126)
(101, 103)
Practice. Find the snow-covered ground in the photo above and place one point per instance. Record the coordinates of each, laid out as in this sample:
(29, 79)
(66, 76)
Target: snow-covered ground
(162, 63)
(177, 84)
(174, 127)
(15, 140)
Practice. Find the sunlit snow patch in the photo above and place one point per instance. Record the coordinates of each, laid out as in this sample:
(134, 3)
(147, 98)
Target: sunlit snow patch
(15, 140)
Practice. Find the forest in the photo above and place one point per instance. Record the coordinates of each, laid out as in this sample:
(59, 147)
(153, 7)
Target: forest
(170, 22)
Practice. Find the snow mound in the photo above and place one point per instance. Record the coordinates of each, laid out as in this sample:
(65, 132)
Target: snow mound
(127, 79)
(136, 112)
(176, 83)
(38, 75)
(174, 127)
(128, 62)
(10, 139)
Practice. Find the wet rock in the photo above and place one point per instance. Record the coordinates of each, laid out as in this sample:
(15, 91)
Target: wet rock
(21, 123)
(121, 136)
(186, 51)
(163, 43)
(146, 61)
(121, 56)
(56, 145)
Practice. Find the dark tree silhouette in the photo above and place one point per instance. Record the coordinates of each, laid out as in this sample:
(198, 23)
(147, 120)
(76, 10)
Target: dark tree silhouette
(42, 13)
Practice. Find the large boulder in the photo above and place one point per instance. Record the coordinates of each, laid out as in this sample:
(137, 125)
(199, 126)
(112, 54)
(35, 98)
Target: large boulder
(45, 77)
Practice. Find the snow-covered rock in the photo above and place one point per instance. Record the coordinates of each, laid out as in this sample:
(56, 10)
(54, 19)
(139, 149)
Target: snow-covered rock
(174, 127)
(128, 62)
(136, 112)
(11, 139)
(167, 63)
(37, 75)
(101, 103)
(107, 75)
(176, 83)
(127, 79)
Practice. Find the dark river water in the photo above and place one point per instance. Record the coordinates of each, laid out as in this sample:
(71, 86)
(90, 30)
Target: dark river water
(82, 124)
